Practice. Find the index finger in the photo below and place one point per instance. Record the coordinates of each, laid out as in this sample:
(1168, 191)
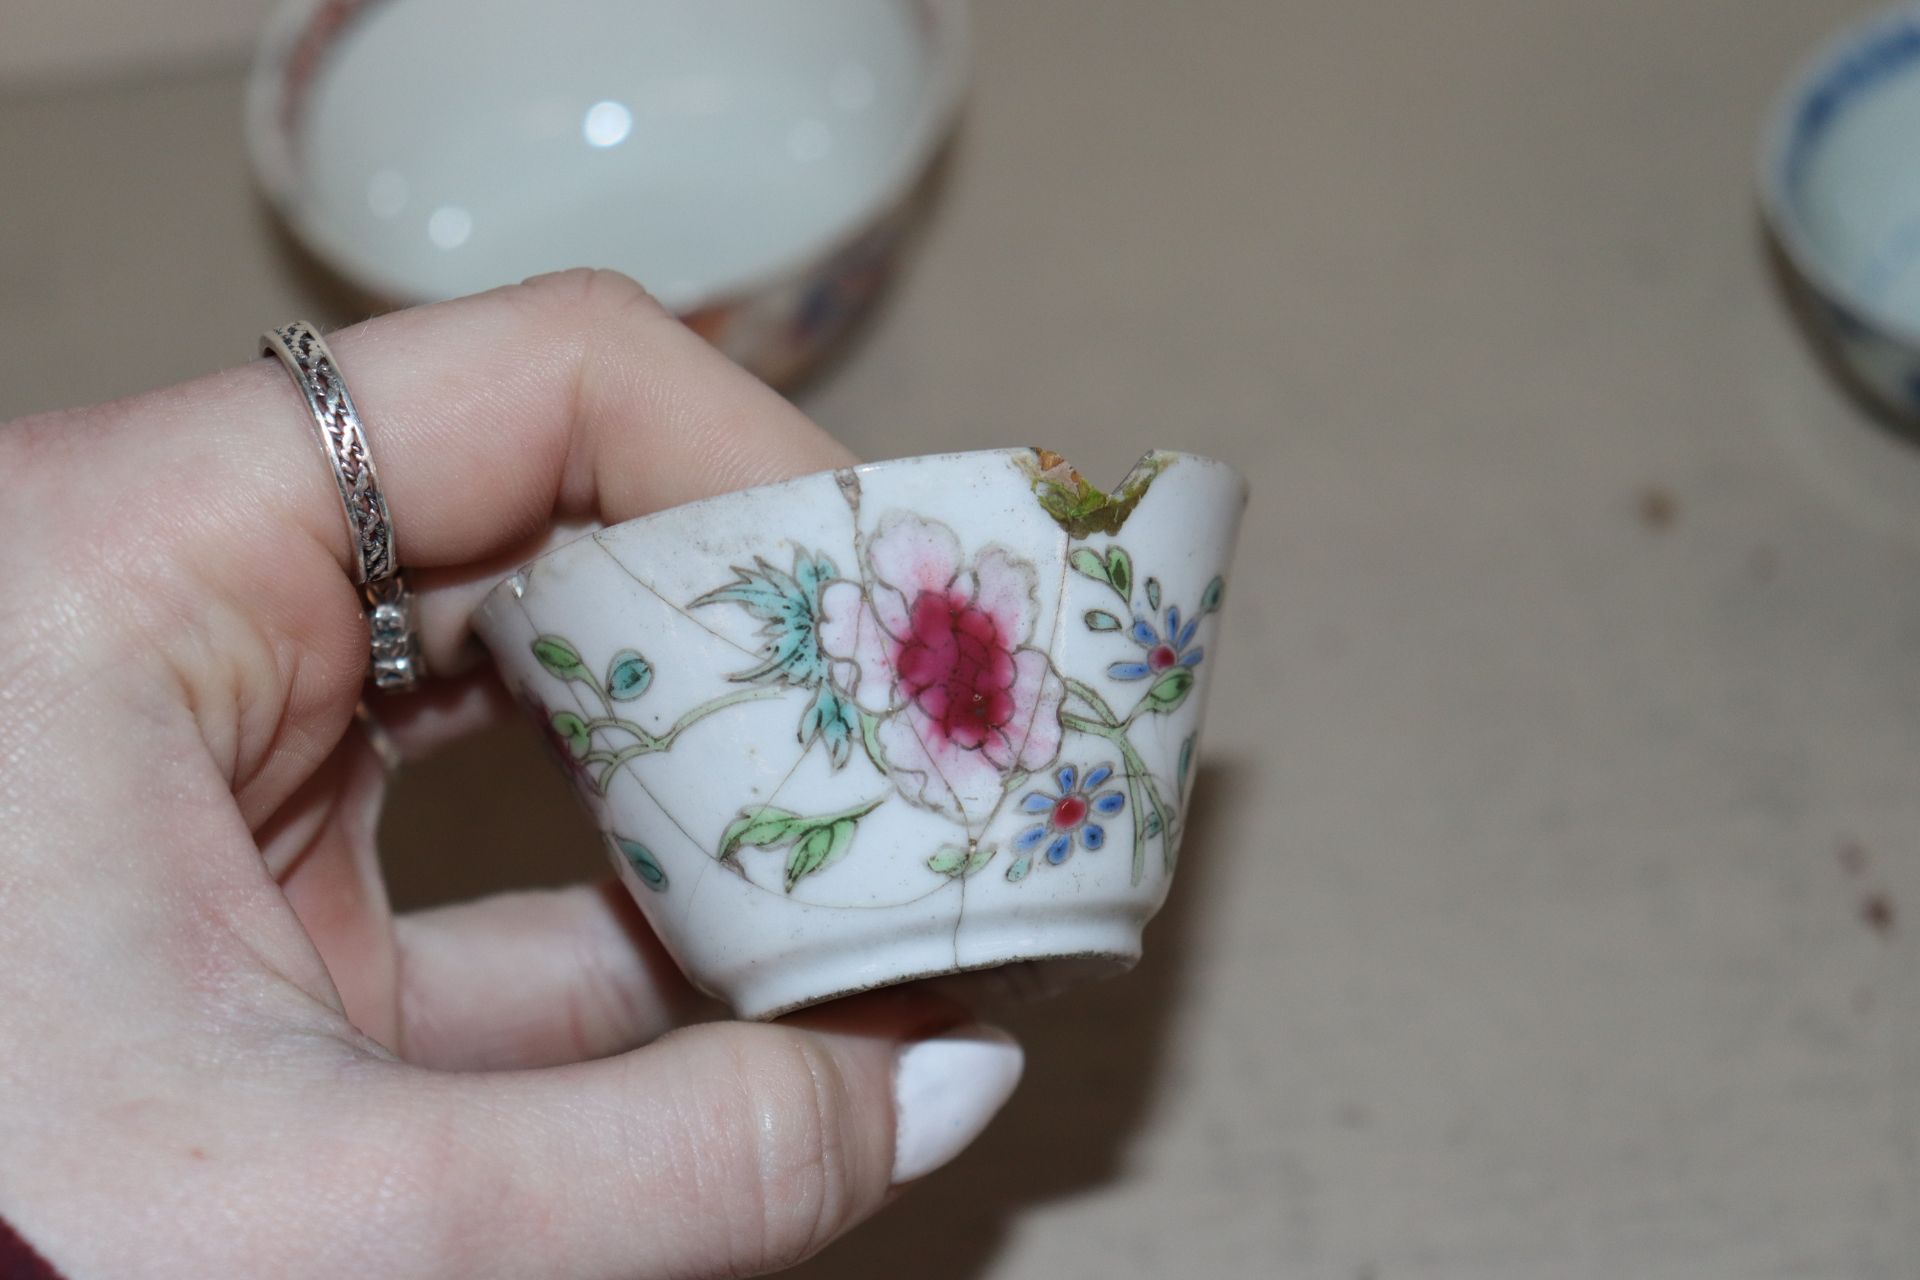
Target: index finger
(569, 397)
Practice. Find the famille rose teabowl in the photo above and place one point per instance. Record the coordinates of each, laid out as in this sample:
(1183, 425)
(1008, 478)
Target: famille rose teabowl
(759, 166)
(903, 720)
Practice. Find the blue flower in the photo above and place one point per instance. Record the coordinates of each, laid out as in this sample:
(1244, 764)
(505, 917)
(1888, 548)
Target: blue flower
(1165, 651)
(1069, 812)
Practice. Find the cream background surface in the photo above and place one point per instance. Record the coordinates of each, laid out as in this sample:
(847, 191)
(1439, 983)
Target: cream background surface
(1575, 630)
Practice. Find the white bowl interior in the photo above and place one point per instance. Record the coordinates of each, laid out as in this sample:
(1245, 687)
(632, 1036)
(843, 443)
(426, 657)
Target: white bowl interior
(447, 147)
(1850, 177)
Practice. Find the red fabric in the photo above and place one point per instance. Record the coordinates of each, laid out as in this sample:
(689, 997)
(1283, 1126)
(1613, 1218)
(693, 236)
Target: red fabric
(19, 1261)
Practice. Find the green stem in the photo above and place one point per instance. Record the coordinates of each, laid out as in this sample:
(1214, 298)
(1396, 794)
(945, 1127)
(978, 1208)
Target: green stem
(1137, 771)
(860, 810)
(710, 706)
(1139, 829)
(648, 744)
(599, 691)
(1086, 694)
(615, 722)
(1143, 707)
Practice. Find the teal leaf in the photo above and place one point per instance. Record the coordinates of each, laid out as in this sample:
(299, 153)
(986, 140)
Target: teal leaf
(644, 864)
(1120, 571)
(1021, 865)
(1186, 762)
(1101, 620)
(832, 720)
(813, 573)
(574, 730)
(788, 607)
(1216, 592)
(628, 676)
(559, 658)
(1169, 691)
(1087, 562)
(1153, 824)
(1153, 593)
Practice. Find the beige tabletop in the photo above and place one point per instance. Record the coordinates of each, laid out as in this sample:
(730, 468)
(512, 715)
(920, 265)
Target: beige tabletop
(1546, 907)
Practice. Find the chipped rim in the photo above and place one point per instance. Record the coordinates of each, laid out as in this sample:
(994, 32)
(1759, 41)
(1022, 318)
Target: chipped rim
(1042, 466)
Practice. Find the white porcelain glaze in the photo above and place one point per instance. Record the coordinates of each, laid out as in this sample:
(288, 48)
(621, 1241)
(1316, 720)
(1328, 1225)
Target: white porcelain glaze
(726, 154)
(827, 726)
(1840, 182)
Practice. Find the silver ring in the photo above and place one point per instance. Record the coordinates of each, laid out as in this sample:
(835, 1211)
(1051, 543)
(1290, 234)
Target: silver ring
(394, 642)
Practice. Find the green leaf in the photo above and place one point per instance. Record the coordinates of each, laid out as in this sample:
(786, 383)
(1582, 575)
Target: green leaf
(948, 860)
(1216, 592)
(1186, 762)
(1120, 571)
(818, 848)
(1153, 594)
(1087, 561)
(870, 739)
(1021, 865)
(1101, 620)
(559, 658)
(644, 864)
(628, 676)
(1153, 824)
(1170, 690)
(764, 828)
(952, 860)
(574, 730)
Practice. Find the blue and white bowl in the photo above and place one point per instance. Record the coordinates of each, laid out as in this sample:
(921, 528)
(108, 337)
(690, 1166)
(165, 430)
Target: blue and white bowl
(1840, 187)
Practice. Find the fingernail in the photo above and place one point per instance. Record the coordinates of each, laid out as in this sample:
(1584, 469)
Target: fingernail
(945, 1090)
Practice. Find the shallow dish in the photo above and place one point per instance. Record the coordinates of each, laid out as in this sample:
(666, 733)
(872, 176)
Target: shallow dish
(752, 162)
(1840, 187)
(909, 719)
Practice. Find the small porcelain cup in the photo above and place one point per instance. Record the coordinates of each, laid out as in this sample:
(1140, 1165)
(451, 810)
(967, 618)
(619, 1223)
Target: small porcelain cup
(911, 719)
(754, 163)
(1840, 187)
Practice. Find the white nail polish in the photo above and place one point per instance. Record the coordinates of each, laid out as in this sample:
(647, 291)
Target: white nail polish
(945, 1090)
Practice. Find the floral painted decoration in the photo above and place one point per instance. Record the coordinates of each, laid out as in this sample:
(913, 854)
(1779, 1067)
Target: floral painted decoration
(1069, 815)
(938, 648)
(593, 745)
(637, 856)
(927, 662)
(788, 604)
(1161, 654)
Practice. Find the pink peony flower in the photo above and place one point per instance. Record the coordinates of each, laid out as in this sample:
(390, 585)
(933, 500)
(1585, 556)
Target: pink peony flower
(941, 653)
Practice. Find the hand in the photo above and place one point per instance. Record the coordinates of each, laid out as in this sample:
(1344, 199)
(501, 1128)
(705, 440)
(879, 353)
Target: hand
(223, 1054)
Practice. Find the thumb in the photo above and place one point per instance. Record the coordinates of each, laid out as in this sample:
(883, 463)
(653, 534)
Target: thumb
(728, 1149)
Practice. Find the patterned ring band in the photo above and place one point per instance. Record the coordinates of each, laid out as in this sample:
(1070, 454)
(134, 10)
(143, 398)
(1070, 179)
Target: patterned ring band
(395, 647)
